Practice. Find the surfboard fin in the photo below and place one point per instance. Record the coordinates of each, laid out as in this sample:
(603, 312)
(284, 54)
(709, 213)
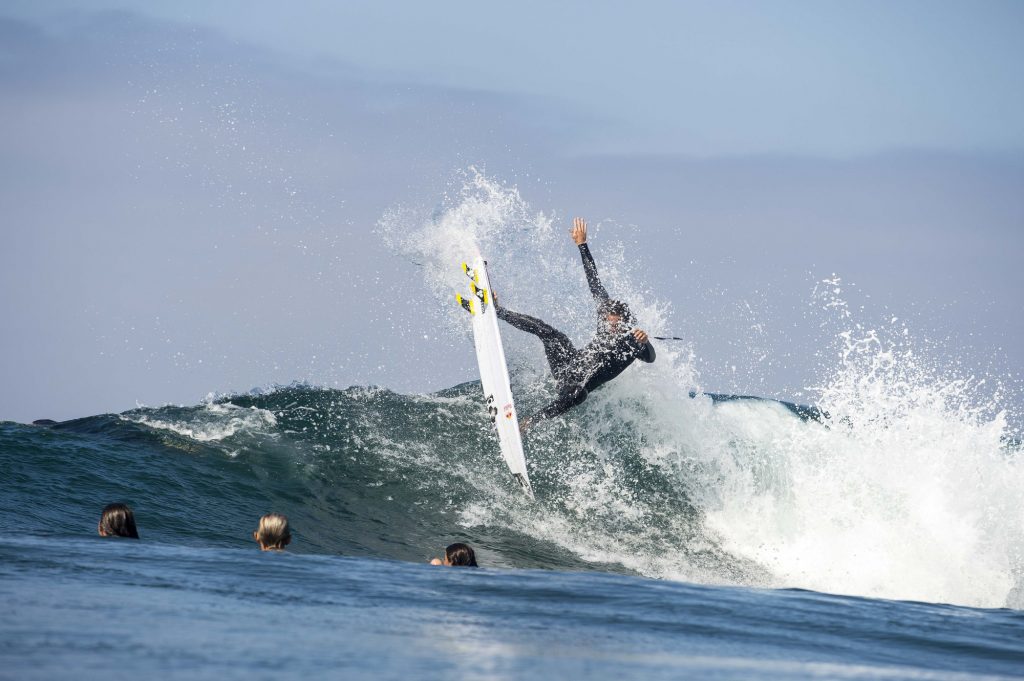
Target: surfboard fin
(480, 293)
(466, 303)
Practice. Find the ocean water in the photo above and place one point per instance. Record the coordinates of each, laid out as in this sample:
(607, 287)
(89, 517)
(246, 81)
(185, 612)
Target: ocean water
(876, 533)
(617, 570)
(80, 608)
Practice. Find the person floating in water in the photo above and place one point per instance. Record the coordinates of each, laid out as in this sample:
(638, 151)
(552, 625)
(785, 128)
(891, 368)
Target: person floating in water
(579, 371)
(273, 534)
(117, 520)
(457, 554)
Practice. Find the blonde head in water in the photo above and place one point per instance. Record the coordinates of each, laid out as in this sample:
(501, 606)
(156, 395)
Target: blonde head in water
(273, 533)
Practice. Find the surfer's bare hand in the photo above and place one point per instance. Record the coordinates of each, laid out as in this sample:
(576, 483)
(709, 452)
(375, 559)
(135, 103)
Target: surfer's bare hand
(579, 231)
(640, 335)
(436, 561)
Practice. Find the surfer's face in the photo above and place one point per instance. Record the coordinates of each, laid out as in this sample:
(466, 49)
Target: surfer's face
(613, 322)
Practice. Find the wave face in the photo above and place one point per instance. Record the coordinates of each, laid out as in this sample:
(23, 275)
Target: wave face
(742, 491)
(366, 471)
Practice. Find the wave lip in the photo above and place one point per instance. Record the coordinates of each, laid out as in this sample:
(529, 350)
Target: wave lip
(216, 421)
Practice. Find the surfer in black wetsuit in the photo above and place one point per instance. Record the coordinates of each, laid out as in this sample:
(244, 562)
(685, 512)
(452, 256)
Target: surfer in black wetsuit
(614, 348)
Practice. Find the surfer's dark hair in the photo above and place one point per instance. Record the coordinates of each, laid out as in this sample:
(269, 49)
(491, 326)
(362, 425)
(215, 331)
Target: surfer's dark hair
(118, 521)
(460, 554)
(617, 308)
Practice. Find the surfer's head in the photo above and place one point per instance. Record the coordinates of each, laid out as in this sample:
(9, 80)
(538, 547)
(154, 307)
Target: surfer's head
(460, 554)
(616, 314)
(273, 533)
(117, 521)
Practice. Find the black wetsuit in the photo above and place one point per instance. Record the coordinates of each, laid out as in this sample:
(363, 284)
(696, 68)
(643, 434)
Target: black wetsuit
(580, 371)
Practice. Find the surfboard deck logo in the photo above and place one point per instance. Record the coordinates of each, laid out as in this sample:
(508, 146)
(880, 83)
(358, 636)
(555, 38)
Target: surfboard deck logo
(490, 355)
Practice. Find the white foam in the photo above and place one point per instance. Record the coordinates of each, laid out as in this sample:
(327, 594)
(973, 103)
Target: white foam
(216, 421)
(909, 494)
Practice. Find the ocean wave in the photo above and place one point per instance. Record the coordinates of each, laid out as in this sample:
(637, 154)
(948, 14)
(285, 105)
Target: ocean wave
(726, 490)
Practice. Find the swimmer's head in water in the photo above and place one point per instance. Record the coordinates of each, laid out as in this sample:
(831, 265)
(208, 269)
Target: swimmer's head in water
(117, 521)
(460, 554)
(273, 534)
(615, 313)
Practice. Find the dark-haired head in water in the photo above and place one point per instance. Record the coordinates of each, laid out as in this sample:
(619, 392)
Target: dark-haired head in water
(117, 521)
(460, 554)
(457, 554)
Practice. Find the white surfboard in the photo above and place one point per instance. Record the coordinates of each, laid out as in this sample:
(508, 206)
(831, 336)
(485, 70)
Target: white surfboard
(494, 372)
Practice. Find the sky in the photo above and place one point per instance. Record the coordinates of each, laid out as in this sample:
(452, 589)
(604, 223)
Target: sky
(705, 78)
(189, 191)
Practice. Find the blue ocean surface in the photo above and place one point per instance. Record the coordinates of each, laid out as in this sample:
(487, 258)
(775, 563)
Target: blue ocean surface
(89, 608)
(630, 564)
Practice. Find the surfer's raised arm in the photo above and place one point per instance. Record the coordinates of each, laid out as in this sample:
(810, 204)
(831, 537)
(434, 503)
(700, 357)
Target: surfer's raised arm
(579, 235)
(613, 311)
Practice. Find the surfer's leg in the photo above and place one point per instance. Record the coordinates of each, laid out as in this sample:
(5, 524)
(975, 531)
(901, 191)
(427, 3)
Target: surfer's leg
(525, 322)
(566, 400)
(558, 348)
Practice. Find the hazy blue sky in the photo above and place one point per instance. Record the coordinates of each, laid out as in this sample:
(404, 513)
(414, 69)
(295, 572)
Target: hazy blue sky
(188, 190)
(734, 77)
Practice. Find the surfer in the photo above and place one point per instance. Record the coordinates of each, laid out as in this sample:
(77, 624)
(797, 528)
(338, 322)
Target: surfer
(579, 371)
